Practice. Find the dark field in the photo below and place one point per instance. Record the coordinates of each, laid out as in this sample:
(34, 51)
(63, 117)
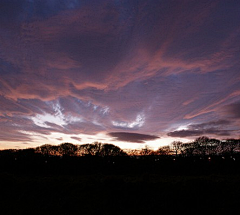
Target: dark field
(104, 186)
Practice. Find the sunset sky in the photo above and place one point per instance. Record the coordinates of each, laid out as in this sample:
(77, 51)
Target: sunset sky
(131, 73)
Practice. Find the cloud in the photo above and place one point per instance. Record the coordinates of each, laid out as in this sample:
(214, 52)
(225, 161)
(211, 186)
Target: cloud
(232, 110)
(84, 67)
(190, 133)
(76, 138)
(211, 124)
(185, 133)
(103, 45)
(9, 107)
(132, 137)
(217, 128)
(137, 123)
(8, 135)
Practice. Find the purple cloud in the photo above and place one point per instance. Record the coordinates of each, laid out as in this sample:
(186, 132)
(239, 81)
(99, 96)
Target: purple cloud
(232, 110)
(76, 138)
(132, 137)
(216, 128)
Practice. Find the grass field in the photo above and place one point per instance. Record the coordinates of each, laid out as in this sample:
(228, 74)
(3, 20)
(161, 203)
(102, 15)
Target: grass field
(145, 193)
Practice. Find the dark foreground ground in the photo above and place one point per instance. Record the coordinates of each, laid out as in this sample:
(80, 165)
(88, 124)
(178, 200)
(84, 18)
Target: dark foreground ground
(135, 187)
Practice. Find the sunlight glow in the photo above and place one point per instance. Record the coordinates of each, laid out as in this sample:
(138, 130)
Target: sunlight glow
(182, 127)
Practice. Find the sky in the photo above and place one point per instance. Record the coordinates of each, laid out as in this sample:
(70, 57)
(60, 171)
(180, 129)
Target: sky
(131, 73)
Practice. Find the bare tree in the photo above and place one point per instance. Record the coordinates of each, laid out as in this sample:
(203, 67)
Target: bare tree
(68, 149)
(176, 146)
(145, 151)
(90, 149)
(100, 149)
(47, 150)
(164, 150)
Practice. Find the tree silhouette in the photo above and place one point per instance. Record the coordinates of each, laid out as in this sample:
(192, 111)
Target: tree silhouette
(176, 146)
(145, 151)
(100, 149)
(188, 149)
(90, 149)
(164, 150)
(229, 146)
(47, 150)
(67, 149)
(111, 150)
(200, 145)
(212, 146)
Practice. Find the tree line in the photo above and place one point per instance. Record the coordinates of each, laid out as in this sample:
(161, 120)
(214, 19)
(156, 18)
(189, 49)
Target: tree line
(202, 146)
